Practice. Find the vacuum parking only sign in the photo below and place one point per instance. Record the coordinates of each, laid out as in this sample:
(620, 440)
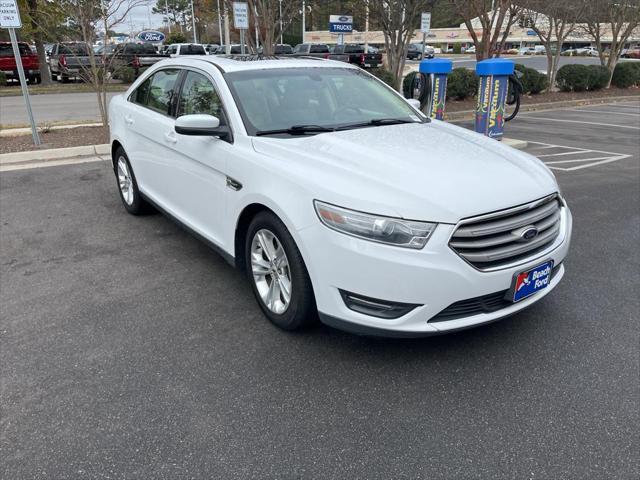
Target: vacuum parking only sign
(240, 15)
(9, 14)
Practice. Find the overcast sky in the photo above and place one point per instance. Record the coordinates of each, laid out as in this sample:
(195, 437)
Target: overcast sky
(140, 18)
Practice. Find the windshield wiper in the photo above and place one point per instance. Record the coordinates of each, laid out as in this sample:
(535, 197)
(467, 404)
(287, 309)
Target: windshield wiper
(377, 122)
(297, 130)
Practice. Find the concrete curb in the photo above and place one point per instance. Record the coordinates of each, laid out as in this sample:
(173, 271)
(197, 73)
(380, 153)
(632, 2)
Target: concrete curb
(54, 154)
(534, 107)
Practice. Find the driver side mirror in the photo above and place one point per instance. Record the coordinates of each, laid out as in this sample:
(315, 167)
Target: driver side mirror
(202, 125)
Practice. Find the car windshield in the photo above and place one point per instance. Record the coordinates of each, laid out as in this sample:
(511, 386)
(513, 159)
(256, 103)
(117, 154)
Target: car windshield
(322, 98)
(192, 50)
(74, 49)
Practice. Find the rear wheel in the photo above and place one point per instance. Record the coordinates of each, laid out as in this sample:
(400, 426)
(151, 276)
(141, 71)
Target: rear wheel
(128, 186)
(278, 275)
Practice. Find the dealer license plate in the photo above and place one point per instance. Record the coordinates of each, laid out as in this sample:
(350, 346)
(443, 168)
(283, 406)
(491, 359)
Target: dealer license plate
(532, 281)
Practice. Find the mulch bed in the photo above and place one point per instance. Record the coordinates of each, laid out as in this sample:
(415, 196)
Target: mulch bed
(66, 137)
(470, 103)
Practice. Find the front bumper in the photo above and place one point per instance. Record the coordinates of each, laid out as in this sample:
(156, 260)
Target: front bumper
(434, 277)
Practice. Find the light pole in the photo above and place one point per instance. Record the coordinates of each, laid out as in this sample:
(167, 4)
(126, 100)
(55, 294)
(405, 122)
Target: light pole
(304, 14)
(193, 23)
(257, 27)
(166, 11)
(280, 10)
(220, 23)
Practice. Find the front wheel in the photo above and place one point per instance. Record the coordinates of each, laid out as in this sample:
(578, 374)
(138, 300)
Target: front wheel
(278, 275)
(128, 186)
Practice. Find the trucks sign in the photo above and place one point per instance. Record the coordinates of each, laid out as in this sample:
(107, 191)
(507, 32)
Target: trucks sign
(340, 23)
(9, 14)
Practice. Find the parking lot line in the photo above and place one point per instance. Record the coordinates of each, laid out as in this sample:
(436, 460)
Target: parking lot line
(564, 153)
(574, 160)
(529, 117)
(607, 111)
(585, 162)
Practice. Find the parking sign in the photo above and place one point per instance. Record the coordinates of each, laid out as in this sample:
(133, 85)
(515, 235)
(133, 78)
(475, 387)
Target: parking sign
(240, 15)
(9, 14)
(425, 23)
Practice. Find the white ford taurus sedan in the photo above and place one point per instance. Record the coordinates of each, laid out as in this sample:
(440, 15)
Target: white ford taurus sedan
(338, 198)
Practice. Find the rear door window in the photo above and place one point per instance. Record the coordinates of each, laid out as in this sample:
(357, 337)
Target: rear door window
(157, 91)
(319, 49)
(6, 50)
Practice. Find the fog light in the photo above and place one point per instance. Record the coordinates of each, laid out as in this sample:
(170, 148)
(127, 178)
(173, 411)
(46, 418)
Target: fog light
(376, 307)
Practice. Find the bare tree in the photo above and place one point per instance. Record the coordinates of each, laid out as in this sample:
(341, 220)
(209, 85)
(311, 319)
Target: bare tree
(494, 23)
(553, 22)
(615, 19)
(90, 16)
(268, 21)
(398, 20)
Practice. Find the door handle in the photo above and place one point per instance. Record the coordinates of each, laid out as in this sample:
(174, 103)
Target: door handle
(128, 119)
(170, 137)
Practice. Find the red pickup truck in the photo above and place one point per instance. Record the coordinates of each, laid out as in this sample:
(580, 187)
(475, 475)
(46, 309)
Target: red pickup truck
(30, 63)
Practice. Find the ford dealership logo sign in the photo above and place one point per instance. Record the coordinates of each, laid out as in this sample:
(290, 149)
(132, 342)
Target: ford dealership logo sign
(151, 36)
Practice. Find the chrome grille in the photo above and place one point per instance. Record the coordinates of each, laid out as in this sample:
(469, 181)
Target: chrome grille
(498, 239)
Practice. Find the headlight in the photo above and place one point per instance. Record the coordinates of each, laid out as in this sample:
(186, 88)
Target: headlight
(391, 231)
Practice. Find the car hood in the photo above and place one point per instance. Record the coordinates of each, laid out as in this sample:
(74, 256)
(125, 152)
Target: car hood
(433, 171)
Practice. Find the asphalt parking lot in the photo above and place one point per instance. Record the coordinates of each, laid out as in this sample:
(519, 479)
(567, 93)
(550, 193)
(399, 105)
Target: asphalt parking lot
(131, 350)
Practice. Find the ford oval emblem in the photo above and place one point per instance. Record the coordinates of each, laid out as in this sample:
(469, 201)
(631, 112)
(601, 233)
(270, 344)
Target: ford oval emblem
(344, 19)
(151, 36)
(529, 233)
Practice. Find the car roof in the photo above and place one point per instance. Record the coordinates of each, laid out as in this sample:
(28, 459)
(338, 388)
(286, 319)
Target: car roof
(238, 63)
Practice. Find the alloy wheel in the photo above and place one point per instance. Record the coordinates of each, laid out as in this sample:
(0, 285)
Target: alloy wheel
(125, 181)
(271, 271)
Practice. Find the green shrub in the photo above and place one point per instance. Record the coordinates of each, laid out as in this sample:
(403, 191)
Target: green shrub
(573, 78)
(626, 74)
(127, 74)
(457, 48)
(407, 84)
(383, 74)
(462, 83)
(532, 80)
(175, 37)
(598, 77)
(3, 79)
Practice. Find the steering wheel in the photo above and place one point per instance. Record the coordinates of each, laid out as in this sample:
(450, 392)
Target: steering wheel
(343, 111)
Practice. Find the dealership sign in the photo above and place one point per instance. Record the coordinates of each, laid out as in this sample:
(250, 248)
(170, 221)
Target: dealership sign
(151, 36)
(340, 23)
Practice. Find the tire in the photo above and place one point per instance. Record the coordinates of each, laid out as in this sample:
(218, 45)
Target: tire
(300, 312)
(127, 185)
(37, 79)
(64, 78)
